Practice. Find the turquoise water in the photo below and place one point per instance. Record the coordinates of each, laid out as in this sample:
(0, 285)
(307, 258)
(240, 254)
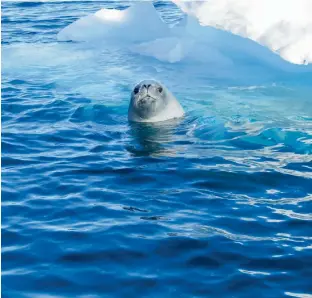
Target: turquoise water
(215, 205)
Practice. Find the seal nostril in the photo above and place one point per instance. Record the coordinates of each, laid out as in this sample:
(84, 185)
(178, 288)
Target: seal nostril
(147, 86)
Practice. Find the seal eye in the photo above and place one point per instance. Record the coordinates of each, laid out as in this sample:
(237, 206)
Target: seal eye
(160, 89)
(136, 90)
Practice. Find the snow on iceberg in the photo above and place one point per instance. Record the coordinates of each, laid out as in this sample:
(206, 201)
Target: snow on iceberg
(284, 26)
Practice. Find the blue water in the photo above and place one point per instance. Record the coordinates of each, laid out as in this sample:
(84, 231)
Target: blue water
(216, 205)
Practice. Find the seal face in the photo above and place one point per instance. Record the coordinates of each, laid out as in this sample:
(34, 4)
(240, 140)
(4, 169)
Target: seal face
(149, 99)
(152, 102)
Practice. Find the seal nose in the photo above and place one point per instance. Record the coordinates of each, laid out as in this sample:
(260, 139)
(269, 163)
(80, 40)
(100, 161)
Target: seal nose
(147, 86)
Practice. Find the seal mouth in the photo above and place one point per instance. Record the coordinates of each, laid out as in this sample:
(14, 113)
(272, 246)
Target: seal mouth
(146, 106)
(146, 101)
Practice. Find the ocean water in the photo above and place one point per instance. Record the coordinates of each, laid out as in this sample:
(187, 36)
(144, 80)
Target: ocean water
(217, 204)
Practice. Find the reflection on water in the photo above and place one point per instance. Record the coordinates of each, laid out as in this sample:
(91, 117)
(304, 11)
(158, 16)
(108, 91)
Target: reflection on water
(153, 138)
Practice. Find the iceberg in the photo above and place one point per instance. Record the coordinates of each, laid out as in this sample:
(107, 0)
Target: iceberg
(222, 32)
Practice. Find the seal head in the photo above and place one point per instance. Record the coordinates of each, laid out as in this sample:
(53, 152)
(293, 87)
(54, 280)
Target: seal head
(153, 102)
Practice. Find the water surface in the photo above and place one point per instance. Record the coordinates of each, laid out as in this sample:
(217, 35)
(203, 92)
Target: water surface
(215, 205)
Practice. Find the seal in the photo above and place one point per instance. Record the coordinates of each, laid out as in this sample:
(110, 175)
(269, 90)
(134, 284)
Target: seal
(153, 102)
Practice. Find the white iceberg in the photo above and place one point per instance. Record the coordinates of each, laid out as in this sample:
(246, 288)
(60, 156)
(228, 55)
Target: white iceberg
(219, 32)
(284, 26)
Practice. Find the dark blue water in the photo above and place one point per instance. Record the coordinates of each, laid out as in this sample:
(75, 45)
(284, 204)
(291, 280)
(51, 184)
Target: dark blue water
(215, 205)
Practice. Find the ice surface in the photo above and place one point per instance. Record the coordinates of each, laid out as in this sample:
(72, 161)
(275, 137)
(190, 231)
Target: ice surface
(284, 26)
